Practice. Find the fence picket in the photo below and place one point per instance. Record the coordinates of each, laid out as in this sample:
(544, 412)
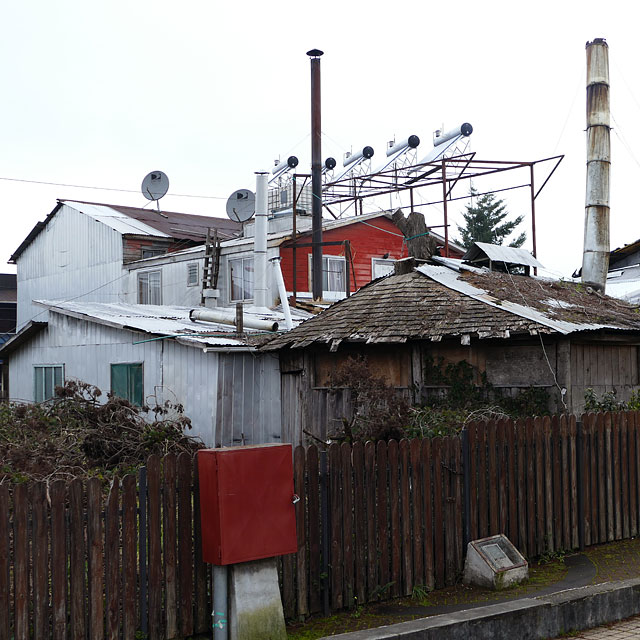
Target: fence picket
(301, 529)
(573, 480)
(112, 562)
(20, 562)
(184, 476)
(95, 549)
(129, 557)
(169, 536)
(448, 474)
(633, 479)
(335, 501)
(556, 462)
(360, 522)
(315, 582)
(601, 479)
(347, 525)
(548, 484)
(473, 481)
(502, 457)
(394, 503)
(407, 560)
(483, 490)
(608, 445)
(425, 451)
(76, 562)
(57, 493)
(521, 439)
(624, 472)
(615, 472)
(381, 515)
(416, 503)
(438, 533)
(155, 546)
(531, 488)
(40, 560)
(492, 459)
(5, 591)
(513, 487)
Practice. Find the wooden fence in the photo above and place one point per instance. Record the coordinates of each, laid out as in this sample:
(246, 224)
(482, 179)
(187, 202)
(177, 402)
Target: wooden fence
(374, 521)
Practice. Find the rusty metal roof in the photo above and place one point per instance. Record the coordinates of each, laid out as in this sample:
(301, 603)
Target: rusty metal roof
(434, 302)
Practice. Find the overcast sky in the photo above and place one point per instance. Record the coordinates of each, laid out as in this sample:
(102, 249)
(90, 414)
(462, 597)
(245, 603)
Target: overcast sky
(99, 94)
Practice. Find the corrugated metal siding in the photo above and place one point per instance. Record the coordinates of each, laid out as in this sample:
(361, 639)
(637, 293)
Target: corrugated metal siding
(174, 284)
(248, 400)
(75, 257)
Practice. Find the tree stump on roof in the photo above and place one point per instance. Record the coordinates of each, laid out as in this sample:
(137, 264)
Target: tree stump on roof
(420, 243)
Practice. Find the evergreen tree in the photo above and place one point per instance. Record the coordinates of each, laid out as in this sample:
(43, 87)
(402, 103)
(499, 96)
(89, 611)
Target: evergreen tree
(483, 222)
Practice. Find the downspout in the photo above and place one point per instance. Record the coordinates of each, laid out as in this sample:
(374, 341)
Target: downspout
(595, 259)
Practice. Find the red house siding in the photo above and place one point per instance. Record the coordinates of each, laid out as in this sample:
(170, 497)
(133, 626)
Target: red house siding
(371, 239)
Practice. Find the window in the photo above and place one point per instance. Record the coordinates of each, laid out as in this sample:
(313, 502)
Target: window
(333, 274)
(381, 267)
(241, 279)
(46, 379)
(150, 287)
(126, 382)
(152, 253)
(192, 274)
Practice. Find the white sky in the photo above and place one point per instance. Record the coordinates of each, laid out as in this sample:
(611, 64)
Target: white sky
(102, 93)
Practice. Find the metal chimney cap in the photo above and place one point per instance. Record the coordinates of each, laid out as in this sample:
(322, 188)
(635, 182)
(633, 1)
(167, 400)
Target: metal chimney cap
(315, 53)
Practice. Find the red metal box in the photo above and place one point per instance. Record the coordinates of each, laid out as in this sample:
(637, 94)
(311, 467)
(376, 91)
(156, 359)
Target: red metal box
(246, 503)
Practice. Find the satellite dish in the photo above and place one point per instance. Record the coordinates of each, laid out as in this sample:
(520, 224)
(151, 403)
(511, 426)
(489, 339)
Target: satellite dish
(155, 185)
(241, 205)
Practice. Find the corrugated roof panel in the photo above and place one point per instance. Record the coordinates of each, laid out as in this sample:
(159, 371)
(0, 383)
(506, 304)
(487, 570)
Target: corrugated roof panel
(499, 253)
(117, 221)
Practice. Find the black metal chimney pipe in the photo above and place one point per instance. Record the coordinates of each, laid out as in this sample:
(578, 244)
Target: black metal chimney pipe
(316, 176)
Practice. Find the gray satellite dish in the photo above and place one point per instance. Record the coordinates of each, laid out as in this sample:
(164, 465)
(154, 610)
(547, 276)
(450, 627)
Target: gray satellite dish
(241, 205)
(155, 185)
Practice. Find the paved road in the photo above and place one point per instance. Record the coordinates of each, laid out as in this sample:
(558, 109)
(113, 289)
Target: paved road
(624, 630)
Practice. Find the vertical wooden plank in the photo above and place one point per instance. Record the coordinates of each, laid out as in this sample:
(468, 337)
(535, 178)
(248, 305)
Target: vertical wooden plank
(540, 530)
(521, 444)
(347, 526)
(57, 491)
(483, 489)
(360, 518)
(155, 546)
(76, 562)
(335, 502)
(129, 533)
(609, 475)
(473, 481)
(40, 560)
(602, 478)
(573, 471)
(530, 483)
(302, 595)
(501, 442)
(425, 452)
(20, 562)
(112, 562)
(315, 583)
(616, 432)
(383, 550)
(548, 485)
(169, 536)
(186, 538)
(458, 506)
(511, 480)
(493, 476)
(95, 549)
(203, 603)
(592, 463)
(586, 479)
(405, 496)
(394, 503)
(438, 546)
(633, 487)
(5, 616)
(288, 586)
(624, 474)
(556, 453)
(566, 485)
(416, 504)
(448, 473)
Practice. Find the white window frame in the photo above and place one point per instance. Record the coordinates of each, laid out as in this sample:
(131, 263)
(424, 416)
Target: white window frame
(40, 371)
(247, 287)
(144, 281)
(326, 291)
(193, 282)
(381, 262)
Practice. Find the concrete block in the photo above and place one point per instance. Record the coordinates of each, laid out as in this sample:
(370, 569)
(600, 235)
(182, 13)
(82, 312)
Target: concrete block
(255, 607)
(495, 563)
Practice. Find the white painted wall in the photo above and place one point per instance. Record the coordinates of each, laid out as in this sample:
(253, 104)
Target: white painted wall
(73, 258)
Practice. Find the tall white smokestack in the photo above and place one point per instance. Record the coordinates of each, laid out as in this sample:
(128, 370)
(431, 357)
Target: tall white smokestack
(595, 258)
(260, 241)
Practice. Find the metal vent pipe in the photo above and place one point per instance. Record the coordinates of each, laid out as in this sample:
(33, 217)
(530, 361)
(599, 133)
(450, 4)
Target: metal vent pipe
(595, 258)
(260, 241)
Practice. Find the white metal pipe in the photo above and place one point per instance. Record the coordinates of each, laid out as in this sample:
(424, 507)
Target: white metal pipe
(465, 129)
(408, 143)
(282, 292)
(229, 317)
(365, 152)
(220, 608)
(260, 241)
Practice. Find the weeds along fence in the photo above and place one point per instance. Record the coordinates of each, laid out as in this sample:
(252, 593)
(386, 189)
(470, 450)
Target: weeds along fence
(375, 520)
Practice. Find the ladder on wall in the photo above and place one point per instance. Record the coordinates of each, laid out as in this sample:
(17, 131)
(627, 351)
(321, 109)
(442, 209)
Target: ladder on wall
(211, 267)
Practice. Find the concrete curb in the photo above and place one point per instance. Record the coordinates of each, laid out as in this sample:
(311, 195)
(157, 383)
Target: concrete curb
(526, 619)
